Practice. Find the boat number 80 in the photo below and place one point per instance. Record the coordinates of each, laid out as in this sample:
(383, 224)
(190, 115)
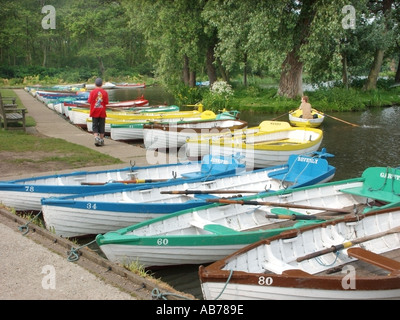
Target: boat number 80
(265, 281)
(162, 242)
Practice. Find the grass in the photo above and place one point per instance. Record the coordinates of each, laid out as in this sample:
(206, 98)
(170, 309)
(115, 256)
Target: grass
(67, 154)
(326, 100)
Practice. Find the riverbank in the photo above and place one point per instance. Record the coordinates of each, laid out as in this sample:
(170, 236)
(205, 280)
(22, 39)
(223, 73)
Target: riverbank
(37, 259)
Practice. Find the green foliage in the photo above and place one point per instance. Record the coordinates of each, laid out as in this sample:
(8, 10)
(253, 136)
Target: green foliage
(218, 96)
(185, 95)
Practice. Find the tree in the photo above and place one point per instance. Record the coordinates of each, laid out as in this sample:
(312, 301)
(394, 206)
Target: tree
(382, 20)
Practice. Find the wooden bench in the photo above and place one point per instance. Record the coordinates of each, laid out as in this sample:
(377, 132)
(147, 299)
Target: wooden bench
(10, 113)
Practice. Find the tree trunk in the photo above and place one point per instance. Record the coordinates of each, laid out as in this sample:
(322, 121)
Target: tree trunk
(245, 70)
(223, 72)
(375, 69)
(379, 53)
(397, 77)
(211, 72)
(345, 74)
(186, 75)
(291, 82)
(101, 67)
(44, 56)
(192, 79)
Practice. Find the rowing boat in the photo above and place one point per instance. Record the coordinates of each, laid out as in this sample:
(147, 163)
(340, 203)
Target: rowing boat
(260, 149)
(26, 194)
(174, 135)
(357, 257)
(209, 233)
(296, 119)
(197, 147)
(106, 211)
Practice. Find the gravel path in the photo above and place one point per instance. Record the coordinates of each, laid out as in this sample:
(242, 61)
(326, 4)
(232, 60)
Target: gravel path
(48, 275)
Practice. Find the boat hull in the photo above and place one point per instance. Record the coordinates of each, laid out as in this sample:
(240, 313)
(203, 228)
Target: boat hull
(296, 120)
(269, 269)
(246, 220)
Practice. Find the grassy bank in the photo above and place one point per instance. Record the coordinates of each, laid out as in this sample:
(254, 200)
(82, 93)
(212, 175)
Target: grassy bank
(326, 100)
(67, 155)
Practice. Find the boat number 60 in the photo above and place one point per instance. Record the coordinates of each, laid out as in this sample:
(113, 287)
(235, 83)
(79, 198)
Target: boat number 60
(162, 242)
(265, 281)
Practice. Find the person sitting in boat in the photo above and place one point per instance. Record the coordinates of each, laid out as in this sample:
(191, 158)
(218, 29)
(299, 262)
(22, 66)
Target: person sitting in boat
(305, 106)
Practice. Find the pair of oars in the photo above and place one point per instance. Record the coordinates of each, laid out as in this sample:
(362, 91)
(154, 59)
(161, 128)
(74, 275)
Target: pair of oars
(335, 118)
(277, 204)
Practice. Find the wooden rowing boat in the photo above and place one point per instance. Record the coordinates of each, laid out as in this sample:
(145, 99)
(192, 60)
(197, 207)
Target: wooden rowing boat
(174, 134)
(26, 194)
(209, 233)
(356, 257)
(261, 149)
(73, 216)
(295, 119)
(197, 147)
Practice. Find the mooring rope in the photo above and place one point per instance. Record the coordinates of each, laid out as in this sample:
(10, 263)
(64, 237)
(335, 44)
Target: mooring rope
(73, 254)
(25, 226)
(157, 295)
(226, 283)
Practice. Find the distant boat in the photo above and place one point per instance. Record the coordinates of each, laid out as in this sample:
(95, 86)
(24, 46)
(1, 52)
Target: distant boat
(106, 85)
(353, 258)
(209, 233)
(296, 119)
(129, 85)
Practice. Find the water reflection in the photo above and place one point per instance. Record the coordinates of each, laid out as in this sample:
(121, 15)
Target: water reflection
(374, 143)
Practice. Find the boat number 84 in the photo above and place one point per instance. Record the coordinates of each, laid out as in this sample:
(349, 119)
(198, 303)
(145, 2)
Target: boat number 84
(265, 281)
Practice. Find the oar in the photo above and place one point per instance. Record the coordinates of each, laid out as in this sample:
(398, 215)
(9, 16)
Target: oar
(276, 204)
(292, 217)
(124, 181)
(347, 244)
(281, 116)
(207, 191)
(352, 124)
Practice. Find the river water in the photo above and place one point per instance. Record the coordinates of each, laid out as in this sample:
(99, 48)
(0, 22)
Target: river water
(373, 141)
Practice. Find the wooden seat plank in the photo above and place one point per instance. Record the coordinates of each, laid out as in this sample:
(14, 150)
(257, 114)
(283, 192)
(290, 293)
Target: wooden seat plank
(374, 259)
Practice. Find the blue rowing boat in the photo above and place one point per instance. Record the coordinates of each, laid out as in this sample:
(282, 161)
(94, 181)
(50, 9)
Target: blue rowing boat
(100, 212)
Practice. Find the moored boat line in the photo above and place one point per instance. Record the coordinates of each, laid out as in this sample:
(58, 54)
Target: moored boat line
(205, 234)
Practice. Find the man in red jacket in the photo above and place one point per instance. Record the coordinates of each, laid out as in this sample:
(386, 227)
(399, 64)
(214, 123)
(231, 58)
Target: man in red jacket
(98, 99)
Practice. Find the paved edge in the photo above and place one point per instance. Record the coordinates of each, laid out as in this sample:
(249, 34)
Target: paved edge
(111, 273)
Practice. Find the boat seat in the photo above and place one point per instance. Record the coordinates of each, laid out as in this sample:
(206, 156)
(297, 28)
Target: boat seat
(375, 259)
(378, 195)
(210, 226)
(301, 168)
(377, 186)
